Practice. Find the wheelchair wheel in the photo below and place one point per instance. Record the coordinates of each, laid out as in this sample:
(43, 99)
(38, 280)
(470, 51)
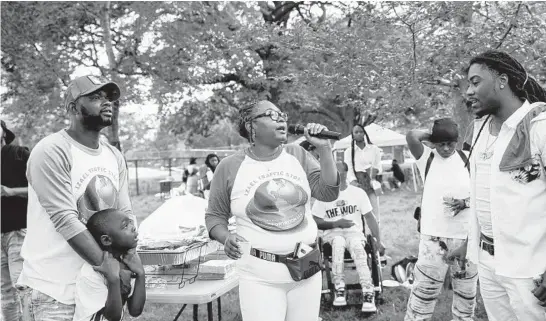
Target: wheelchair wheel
(377, 276)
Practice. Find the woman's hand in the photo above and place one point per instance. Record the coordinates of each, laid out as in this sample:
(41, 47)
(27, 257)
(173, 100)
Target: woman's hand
(232, 248)
(314, 129)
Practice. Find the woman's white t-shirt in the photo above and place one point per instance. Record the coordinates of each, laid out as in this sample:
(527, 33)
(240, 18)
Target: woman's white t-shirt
(271, 203)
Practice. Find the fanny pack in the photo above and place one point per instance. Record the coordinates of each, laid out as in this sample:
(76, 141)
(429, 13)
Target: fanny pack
(300, 268)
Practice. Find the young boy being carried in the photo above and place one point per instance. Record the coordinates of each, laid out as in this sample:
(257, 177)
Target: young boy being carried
(342, 220)
(111, 282)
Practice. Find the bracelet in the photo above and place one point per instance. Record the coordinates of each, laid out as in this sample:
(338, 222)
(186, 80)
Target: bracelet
(225, 242)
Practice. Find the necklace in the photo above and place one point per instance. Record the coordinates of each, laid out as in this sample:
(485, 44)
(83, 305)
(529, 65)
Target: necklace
(488, 151)
(265, 157)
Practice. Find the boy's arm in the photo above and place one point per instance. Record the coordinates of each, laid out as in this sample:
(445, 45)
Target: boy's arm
(371, 222)
(114, 306)
(136, 302)
(135, 305)
(324, 225)
(414, 139)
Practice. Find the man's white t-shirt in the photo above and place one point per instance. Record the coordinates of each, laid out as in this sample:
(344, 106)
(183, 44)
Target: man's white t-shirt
(447, 177)
(351, 204)
(91, 294)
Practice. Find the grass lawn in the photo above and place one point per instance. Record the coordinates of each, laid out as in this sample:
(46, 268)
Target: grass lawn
(399, 236)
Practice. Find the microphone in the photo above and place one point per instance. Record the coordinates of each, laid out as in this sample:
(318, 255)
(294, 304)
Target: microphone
(325, 134)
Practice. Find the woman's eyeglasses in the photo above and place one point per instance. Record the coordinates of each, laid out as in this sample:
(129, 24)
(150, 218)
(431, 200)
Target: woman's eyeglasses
(274, 115)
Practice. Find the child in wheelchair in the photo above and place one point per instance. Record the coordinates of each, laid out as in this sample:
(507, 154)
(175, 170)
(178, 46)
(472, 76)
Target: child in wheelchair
(343, 228)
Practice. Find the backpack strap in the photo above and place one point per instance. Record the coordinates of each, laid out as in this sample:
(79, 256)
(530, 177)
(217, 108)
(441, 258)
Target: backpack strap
(429, 161)
(464, 158)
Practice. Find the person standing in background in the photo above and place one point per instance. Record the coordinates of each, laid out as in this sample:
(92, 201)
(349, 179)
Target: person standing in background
(14, 220)
(364, 161)
(206, 172)
(444, 223)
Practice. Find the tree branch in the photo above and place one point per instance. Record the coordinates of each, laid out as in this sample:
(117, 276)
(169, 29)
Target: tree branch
(411, 28)
(226, 78)
(279, 14)
(323, 16)
(512, 25)
(441, 82)
(307, 21)
(486, 16)
(324, 112)
(41, 55)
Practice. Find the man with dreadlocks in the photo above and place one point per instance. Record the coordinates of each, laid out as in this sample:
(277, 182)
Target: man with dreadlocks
(507, 237)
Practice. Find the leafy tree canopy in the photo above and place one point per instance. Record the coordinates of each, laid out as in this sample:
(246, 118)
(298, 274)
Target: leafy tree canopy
(399, 63)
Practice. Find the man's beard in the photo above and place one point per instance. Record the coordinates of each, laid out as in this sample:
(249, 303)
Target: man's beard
(94, 122)
(490, 105)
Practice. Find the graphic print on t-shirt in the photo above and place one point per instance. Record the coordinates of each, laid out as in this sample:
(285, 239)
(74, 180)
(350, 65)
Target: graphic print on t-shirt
(278, 205)
(100, 194)
(342, 208)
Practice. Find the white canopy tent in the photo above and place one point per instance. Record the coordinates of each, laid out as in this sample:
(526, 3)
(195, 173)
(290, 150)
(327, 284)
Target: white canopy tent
(382, 137)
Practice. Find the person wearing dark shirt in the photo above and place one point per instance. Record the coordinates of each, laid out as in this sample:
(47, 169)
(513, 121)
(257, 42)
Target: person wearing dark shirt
(14, 219)
(398, 175)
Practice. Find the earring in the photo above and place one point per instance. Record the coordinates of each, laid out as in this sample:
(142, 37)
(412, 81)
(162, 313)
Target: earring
(502, 86)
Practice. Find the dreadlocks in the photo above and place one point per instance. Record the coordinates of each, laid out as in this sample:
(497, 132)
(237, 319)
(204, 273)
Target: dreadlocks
(353, 145)
(520, 82)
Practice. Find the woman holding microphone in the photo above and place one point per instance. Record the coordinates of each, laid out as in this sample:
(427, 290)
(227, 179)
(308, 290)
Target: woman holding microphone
(268, 187)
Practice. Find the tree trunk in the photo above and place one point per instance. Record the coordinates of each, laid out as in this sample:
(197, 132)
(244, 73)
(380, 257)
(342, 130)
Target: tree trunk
(461, 114)
(105, 23)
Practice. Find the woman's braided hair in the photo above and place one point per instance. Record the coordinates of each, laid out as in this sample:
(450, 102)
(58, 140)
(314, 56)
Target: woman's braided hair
(245, 116)
(353, 145)
(520, 82)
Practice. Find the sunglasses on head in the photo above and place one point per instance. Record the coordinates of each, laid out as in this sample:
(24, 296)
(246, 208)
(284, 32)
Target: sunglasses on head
(273, 114)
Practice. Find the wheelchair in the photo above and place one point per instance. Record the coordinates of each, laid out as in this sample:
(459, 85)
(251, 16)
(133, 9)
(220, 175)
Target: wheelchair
(374, 263)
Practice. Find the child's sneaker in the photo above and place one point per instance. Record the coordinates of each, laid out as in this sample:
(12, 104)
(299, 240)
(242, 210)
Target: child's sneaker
(369, 302)
(340, 299)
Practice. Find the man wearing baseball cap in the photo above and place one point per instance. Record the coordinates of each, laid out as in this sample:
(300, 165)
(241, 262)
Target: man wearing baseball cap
(72, 174)
(444, 222)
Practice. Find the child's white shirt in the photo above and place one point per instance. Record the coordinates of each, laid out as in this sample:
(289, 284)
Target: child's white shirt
(91, 294)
